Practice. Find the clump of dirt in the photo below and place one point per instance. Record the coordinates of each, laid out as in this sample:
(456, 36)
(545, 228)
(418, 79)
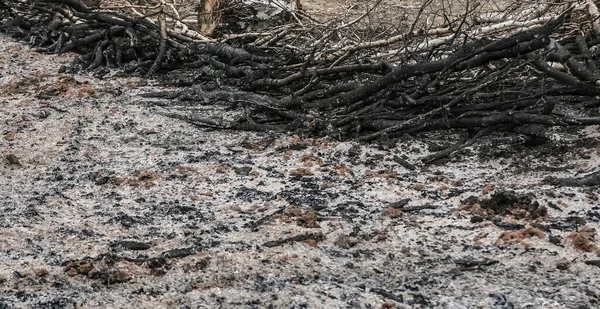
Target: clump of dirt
(303, 217)
(301, 171)
(585, 239)
(337, 169)
(20, 84)
(138, 178)
(108, 272)
(310, 160)
(518, 237)
(385, 174)
(392, 212)
(506, 203)
(345, 242)
(68, 86)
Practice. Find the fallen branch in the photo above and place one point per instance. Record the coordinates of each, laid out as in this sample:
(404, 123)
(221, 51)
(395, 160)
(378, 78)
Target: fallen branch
(592, 179)
(296, 238)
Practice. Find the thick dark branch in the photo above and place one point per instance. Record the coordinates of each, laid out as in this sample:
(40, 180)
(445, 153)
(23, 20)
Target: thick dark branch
(592, 179)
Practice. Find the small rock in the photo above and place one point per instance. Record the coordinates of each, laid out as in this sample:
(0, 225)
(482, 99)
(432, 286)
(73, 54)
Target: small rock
(244, 170)
(576, 220)
(10, 136)
(488, 188)
(43, 114)
(476, 219)
(344, 242)
(13, 160)
(102, 180)
(399, 204)
(392, 212)
(388, 305)
(500, 301)
(311, 242)
(563, 264)
(555, 240)
(40, 272)
(418, 186)
(457, 183)
(222, 169)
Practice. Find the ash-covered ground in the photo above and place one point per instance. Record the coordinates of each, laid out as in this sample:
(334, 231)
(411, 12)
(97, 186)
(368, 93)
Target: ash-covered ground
(105, 203)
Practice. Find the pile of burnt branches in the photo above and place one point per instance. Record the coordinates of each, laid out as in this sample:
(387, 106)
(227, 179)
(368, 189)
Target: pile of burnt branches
(519, 71)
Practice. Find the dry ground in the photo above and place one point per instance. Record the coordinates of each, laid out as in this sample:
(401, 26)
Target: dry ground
(107, 204)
